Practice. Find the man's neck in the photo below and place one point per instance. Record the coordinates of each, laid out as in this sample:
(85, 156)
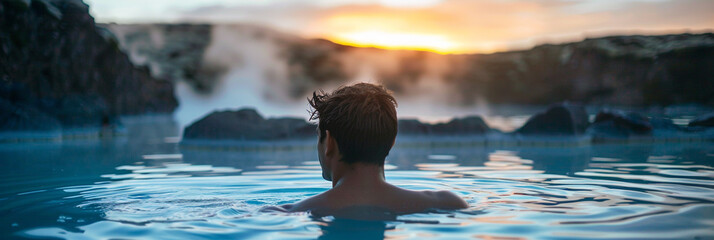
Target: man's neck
(358, 175)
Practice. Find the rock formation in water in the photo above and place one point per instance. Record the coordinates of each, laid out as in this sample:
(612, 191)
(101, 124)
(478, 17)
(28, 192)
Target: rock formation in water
(247, 124)
(56, 64)
(662, 123)
(703, 121)
(471, 125)
(616, 124)
(622, 70)
(563, 119)
(559, 120)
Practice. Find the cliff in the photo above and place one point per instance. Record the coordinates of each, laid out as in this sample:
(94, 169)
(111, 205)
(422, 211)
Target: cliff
(621, 70)
(56, 63)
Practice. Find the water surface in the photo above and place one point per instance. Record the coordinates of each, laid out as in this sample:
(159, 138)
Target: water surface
(145, 186)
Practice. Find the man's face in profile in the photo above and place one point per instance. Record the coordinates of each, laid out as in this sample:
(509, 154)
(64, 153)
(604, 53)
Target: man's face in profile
(326, 174)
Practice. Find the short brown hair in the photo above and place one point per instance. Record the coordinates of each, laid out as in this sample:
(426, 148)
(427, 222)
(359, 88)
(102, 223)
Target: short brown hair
(362, 118)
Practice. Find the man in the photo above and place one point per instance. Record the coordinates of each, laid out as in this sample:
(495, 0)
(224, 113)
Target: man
(356, 129)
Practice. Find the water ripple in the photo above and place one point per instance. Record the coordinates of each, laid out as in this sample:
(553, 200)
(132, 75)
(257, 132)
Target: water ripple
(520, 193)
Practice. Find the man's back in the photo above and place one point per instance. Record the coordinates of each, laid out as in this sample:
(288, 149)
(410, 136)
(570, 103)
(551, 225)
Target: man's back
(357, 128)
(362, 189)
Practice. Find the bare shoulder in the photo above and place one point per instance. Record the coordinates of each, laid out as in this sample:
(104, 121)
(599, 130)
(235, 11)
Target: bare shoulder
(446, 199)
(308, 204)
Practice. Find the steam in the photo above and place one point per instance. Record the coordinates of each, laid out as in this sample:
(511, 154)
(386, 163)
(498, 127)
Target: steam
(254, 78)
(258, 76)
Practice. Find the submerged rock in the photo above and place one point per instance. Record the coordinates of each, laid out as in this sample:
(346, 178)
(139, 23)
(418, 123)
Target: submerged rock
(471, 125)
(248, 124)
(562, 119)
(616, 124)
(703, 121)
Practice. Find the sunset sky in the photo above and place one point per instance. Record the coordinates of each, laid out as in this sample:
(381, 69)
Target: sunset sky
(444, 26)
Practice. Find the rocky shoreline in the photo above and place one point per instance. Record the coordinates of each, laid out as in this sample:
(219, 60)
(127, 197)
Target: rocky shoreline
(62, 76)
(562, 124)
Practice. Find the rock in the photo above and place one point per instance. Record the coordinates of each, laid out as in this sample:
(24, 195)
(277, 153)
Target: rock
(247, 124)
(618, 70)
(471, 125)
(23, 118)
(562, 119)
(661, 123)
(54, 58)
(50, 8)
(616, 124)
(80, 111)
(412, 127)
(174, 52)
(703, 121)
(77, 110)
(461, 126)
(15, 92)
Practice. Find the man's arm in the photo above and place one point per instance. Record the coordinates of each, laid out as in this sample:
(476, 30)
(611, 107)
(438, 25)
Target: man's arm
(281, 208)
(448, 200)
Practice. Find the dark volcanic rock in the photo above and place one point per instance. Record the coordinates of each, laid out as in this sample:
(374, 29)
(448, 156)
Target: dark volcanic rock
(412, 127)
(177, 55)
(622, 70)
(54, 58)
(79, 111)
(660, 123)
(76, 110)
(458, 126)
(563, 119)
(18, 117)
(247, 124)
(615, 124)
(618, 70)
(703, 121)
(317, 61)
(471, 125)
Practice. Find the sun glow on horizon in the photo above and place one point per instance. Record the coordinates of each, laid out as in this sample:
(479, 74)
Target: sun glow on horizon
(441, 26)
(417, 29)
(395, 40)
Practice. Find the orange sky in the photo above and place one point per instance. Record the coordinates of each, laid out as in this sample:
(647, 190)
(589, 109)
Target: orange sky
(443, 26)
(490, 26)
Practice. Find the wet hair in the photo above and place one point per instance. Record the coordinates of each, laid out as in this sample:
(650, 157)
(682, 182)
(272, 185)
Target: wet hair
(362, 119)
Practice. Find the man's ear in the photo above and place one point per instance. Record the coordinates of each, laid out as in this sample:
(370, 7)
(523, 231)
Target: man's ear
(330, 145)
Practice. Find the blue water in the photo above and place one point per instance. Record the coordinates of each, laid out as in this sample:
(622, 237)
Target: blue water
(144, 185)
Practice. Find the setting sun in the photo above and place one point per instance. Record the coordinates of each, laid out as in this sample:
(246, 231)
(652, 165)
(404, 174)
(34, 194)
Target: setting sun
(394, 40)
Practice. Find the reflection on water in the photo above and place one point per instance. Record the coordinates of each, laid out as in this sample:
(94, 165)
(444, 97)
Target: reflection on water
(131, 189)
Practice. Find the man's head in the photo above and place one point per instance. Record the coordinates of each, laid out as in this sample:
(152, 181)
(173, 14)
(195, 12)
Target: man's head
(357, 124)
